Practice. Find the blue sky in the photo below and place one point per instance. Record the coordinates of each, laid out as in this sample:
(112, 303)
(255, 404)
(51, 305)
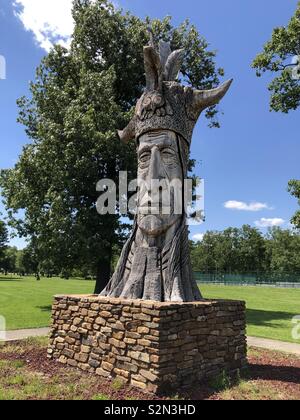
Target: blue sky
(254, 154)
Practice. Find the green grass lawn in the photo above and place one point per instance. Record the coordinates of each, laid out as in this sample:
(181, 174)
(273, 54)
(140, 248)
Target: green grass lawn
(26, 303)
(269, 311)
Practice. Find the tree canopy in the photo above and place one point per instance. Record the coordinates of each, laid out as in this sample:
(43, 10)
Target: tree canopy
(294, 189)
(77, 100)
(3, 238)
(281, 56)
(232, 251)
(246, 251)
(283, 251)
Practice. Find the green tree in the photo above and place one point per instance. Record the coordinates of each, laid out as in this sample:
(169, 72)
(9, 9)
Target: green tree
(280, 57)
(8, 264)
(252, 251)
(227, 250)
(3, 240)
(203, 254)
(20, 269)
(234, 250)
(78, 98)
(294, 189)
(29, 261)
(284, 252)
(217, 252)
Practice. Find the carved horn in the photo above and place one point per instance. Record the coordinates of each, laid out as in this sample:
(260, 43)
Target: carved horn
(206, 98)
(128, 133)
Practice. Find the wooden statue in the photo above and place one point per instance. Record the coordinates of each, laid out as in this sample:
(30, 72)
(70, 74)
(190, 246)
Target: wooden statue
(155, 262)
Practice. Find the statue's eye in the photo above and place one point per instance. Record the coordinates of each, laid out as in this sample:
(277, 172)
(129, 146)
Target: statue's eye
(168, 155)
(145, 157)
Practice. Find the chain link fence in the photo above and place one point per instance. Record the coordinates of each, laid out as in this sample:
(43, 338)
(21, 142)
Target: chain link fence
(250, 279)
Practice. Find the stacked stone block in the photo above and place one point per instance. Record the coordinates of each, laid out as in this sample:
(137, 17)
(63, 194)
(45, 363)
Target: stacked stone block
(157, 347)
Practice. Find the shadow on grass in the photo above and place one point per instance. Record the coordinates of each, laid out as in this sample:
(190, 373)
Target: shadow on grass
(288, 374)
(70, 279)
(255, 372)
(262, 318)
(47, 308)
(10, 279)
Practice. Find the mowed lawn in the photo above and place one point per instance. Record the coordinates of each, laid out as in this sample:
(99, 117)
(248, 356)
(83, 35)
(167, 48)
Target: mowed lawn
(269, 311)
(26, 303)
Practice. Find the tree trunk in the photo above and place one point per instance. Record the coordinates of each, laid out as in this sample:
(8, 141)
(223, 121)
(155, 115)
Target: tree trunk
(103, 271)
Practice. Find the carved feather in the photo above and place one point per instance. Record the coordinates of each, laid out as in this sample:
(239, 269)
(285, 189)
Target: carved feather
(153, 69)
(173, 65)
(152, 38)
(164, 52)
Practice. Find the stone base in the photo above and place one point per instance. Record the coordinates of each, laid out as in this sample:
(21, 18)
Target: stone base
(157, 347)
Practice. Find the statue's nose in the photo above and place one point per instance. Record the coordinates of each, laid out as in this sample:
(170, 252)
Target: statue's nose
(156, 168)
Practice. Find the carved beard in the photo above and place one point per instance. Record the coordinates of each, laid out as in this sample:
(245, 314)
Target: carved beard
(155, 225)
(148, 274)
(159, 273)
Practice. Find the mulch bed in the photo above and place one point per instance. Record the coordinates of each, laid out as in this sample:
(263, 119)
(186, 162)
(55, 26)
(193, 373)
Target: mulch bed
(277, 371)
(35, 360)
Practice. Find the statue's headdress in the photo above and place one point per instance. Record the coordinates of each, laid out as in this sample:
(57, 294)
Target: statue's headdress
(165, 103)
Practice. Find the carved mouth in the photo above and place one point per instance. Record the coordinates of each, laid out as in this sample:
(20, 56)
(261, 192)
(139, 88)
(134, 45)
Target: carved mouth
(155, 210)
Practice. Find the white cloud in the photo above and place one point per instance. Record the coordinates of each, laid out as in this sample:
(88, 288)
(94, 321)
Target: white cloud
(264, 223)
(50, 20)
(240, 205)
(198, 237)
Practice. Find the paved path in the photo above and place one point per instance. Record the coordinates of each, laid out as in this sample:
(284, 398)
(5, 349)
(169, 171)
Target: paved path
(22, 334)
(265, 343)
(252, 341)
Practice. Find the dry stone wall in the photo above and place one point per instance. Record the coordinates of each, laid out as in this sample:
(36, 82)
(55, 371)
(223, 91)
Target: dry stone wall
(153, 346)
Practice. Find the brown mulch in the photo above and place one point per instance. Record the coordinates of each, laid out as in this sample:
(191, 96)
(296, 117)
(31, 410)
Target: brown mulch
(36, 361)
(279, 371)
(274, 371)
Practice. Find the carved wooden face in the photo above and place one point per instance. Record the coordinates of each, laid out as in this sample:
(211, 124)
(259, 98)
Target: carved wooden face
(160, 174)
